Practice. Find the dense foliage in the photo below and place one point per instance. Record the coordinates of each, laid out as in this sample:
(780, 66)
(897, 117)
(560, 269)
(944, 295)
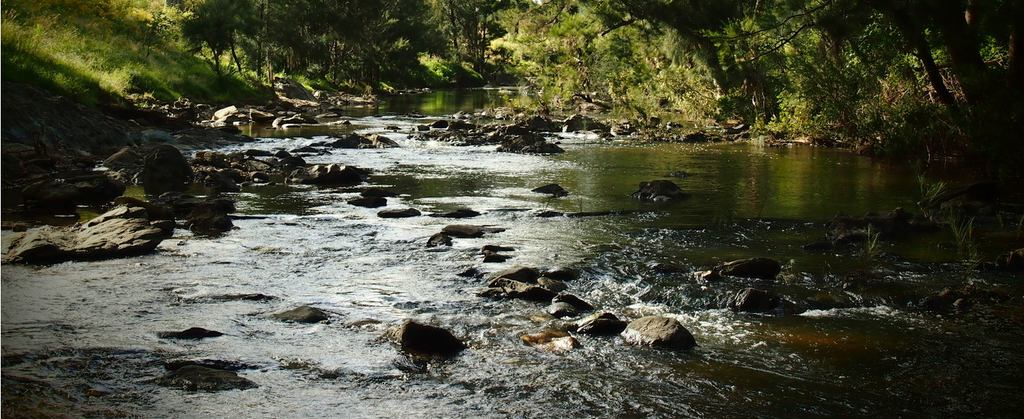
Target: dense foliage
(931, 78)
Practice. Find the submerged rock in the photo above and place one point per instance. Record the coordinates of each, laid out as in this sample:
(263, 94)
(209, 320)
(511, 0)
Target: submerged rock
(459, 213)
(659, 331)
(659, 191)
(423, 339)
(369, 201)
(199, 378)
(303, 314)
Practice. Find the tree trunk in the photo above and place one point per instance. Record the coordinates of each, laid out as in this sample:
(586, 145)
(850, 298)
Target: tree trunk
(1016, 65)
(915, 38)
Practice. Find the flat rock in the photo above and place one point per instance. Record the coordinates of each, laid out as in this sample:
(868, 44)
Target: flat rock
(469, 231)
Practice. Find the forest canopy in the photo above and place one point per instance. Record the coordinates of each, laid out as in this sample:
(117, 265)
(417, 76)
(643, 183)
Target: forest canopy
(927, 78)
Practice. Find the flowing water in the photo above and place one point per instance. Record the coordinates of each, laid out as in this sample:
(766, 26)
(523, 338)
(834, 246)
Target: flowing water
(80, 338)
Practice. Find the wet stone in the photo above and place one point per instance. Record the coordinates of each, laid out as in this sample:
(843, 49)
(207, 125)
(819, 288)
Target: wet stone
(599, 324)
(303, 314)
(658, 331)
(399, 213)
(439, 239)
(199, 378)
(420, 338)
(190, 333)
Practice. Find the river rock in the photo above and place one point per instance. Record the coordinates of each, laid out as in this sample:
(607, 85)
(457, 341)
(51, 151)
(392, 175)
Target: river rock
(459, 213)
(554, 189)
(560, 310)
(425, 339)
(190, 333)
(217, 182)
(51, 193)
(211, 217)
(754, 301)
(514, 139)
(122, 231)
(399, 213)
(574, 301)
(844, 229)
(127, 161)
(459, 125)
(212, 159)
(658, 331)
(577, 122)
(659, 190)
(509, 288)
(303, 314)
(165, 169)
(494, 257)
(599, 324)
(442, 124)
(369, 201)
(537, 123)
(976, 199)
(519, 273)
(329, 174)
(622, 128)
(561, 274)
(552, 284)
(292, 89)
(1011, 261)
(439, 239)
(199, 378)
(551, 340)
(762, 268)
(469, 231)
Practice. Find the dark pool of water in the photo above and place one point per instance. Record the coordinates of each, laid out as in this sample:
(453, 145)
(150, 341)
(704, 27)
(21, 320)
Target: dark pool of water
(79, 338)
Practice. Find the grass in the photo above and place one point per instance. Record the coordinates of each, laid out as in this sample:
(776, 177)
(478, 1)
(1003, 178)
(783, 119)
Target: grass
(872, 245)
(97, 51)
(967, 246)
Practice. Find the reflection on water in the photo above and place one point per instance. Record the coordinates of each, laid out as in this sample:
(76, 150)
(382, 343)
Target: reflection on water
(83, 334)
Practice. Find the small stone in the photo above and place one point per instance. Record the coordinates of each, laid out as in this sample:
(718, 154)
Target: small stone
(439, 239)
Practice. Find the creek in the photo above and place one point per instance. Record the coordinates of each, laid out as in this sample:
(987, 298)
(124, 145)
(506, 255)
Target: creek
(82, 336)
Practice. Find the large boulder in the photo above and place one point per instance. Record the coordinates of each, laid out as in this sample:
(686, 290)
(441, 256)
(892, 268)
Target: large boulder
(422, 339)
(327, 174)
(165, 169)
(658, 331)
(659, 190)
(122, 231)
(292, 89)
(761, 268)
